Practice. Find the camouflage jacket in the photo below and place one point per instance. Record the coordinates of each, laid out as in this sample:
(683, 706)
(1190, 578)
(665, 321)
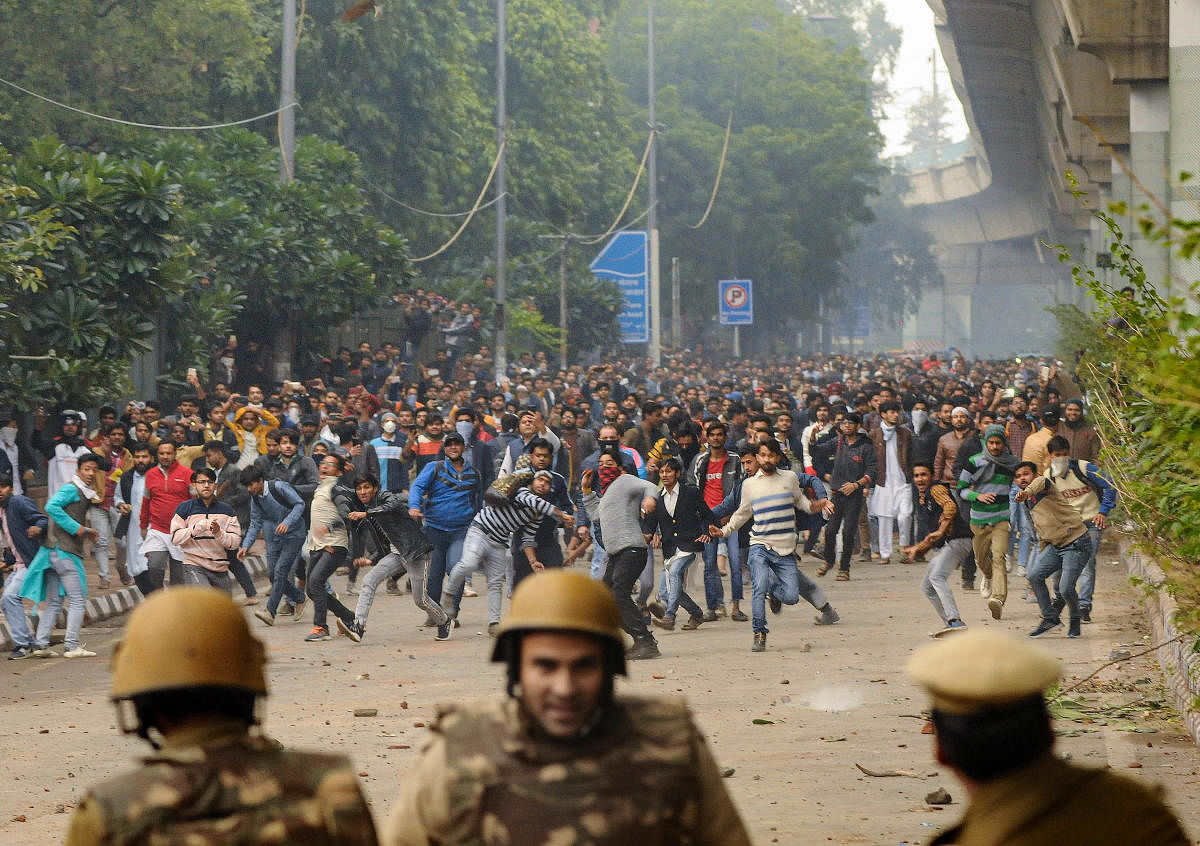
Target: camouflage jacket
(643, 775)
(219, 785)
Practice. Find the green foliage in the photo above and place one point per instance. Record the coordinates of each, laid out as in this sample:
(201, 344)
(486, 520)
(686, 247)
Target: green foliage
(802, 161)
(928, 122)
(84, 320)
(1137, 360)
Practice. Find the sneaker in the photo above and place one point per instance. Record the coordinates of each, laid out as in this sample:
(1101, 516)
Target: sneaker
(20, 653)
(1021, 570)
(843, 575)
(354, 630)
(105, 584)
(1045, 626)
(298, 610)
(738, 616)
(721, 612)
(693, 623)
(285, 608)
(467, 591)
(266, 616)
(985, 587)
(996, 607)
(709, 617)
(351, 589)
(79, 652)
(760, 642)
(394, 589)
(1085, 614)
(43, 652)
(656, 609)
(1073, 628)
(1057, 605)
(318, 633)
(828, 616)
(250, 600)
(443, 631)
(644, 649)
(969, 585)
(951, 627)
(493, 629)
(667, 623)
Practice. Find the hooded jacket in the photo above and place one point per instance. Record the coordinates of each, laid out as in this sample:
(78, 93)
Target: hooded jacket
(266, 422)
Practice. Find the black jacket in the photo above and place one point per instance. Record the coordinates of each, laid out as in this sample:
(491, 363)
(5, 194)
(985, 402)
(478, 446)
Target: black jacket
(854, 459)
(387, 524)
(691, 520)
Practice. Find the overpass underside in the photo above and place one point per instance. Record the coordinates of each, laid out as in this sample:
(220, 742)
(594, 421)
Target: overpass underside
(1106, 90)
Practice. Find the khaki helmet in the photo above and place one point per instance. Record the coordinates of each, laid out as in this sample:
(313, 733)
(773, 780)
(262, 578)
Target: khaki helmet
(187, 637)
(566, 601)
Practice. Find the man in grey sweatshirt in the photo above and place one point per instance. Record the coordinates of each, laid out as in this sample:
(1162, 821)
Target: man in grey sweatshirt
(623, 500)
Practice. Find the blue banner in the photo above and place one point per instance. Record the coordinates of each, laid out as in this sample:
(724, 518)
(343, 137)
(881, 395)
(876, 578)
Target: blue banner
(625, 261)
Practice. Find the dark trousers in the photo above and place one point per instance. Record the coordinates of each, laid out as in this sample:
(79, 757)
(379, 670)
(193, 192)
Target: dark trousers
(846, 511)
(149, 581)
(321, 565)
(624, 567)
(239, 571)
(968, 570)
(551, 556)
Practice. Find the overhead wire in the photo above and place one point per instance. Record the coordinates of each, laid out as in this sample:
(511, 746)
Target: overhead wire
(168, 127)
(416, 210)
(720, 170)
(632, 188)
(478, 205)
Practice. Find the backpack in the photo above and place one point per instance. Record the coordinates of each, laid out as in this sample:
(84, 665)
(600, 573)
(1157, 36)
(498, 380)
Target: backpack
(502, 491)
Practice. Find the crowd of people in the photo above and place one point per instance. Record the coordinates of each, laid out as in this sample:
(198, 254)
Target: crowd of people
(412, 459)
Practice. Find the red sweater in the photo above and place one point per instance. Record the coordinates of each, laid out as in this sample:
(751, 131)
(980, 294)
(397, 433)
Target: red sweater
(164, 493)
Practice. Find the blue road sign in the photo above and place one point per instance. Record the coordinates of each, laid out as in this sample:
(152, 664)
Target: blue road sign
(625, 261)
(735, 299)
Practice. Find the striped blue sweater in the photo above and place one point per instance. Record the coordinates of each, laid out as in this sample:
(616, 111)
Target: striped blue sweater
(771, 501)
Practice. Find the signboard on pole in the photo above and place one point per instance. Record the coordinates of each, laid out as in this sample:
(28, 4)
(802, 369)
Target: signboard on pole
(735, 298)
(624, 260)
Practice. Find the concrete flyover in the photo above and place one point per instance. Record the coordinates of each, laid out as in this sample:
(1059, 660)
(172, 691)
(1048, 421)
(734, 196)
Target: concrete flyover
(1105, 89)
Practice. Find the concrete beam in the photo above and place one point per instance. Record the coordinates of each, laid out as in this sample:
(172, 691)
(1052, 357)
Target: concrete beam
(1129, 36)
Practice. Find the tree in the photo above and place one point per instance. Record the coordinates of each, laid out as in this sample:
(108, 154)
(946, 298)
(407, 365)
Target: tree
(802, 161)
(928, 121)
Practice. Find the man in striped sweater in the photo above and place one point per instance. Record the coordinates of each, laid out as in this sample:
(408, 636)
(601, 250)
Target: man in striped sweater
(772, 496)
(488, 537)
(984, 483)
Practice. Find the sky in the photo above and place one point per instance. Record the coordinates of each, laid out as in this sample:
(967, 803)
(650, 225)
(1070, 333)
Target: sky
(913, 75)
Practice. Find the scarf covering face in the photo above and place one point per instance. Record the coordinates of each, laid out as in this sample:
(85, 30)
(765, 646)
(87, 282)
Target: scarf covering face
(889, 432)
(607, 476)
(85, 490)
(1005, 461)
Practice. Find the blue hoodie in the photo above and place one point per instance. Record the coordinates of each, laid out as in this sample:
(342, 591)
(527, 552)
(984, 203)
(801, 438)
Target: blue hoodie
(448, 499)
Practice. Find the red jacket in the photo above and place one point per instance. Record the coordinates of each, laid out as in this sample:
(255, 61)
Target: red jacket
(164, 493)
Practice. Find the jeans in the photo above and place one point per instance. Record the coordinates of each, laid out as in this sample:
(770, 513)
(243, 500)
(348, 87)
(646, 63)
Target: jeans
(1023, 536)
(674, 573)
(322, 564)
(714, 590)
(478, 549)
(624, 567)
(447, 550)
(238, 570)
(846, 511)
(599, 561)
(991, 546)
(1071, 559)
(102, 520)
(1087, 581)
(392, 566)
(14, 610)
(62, 572)
(282, 553)
(778, 574)
(202, 576)
(936, 583)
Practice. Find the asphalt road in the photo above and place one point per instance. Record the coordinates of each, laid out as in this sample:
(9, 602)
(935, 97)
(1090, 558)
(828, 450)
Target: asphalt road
(832, 698)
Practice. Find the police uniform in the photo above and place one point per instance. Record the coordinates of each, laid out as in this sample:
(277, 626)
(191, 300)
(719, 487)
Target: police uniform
(638, 774)
(211, 781)
(1046, 801)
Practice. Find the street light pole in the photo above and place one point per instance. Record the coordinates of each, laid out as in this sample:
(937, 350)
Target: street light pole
(652, 216)
(501, 210)
(287, 94)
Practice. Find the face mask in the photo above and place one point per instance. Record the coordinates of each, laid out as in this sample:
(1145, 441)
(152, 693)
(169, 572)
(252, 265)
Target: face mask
(1060, 465)
(8, 436)
(293, 414)
(389, 426)
(464, 428)
(919, 417)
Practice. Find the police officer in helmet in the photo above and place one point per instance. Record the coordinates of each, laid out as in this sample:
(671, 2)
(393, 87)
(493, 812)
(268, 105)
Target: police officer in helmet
(561, 759)
(187, 677)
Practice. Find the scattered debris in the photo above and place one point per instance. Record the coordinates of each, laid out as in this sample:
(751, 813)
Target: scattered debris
(365, 712)
(1136, 765)
(758, 721)
(727, 772)
(938, 797)
(887, 773)
(363, 677)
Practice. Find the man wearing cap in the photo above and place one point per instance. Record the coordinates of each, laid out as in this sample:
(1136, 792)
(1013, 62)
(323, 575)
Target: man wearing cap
(187, 677)
(63, 451)
(561, 759)
(993, 730)
(1081, 436)
(985, 483)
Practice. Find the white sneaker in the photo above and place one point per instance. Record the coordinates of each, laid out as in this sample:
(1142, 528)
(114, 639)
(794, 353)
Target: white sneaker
(985, 587)
(79, 652)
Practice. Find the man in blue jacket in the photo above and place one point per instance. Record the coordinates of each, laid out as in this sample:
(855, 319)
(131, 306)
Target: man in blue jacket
(446, 495)
(277, 505)
(21, 525)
